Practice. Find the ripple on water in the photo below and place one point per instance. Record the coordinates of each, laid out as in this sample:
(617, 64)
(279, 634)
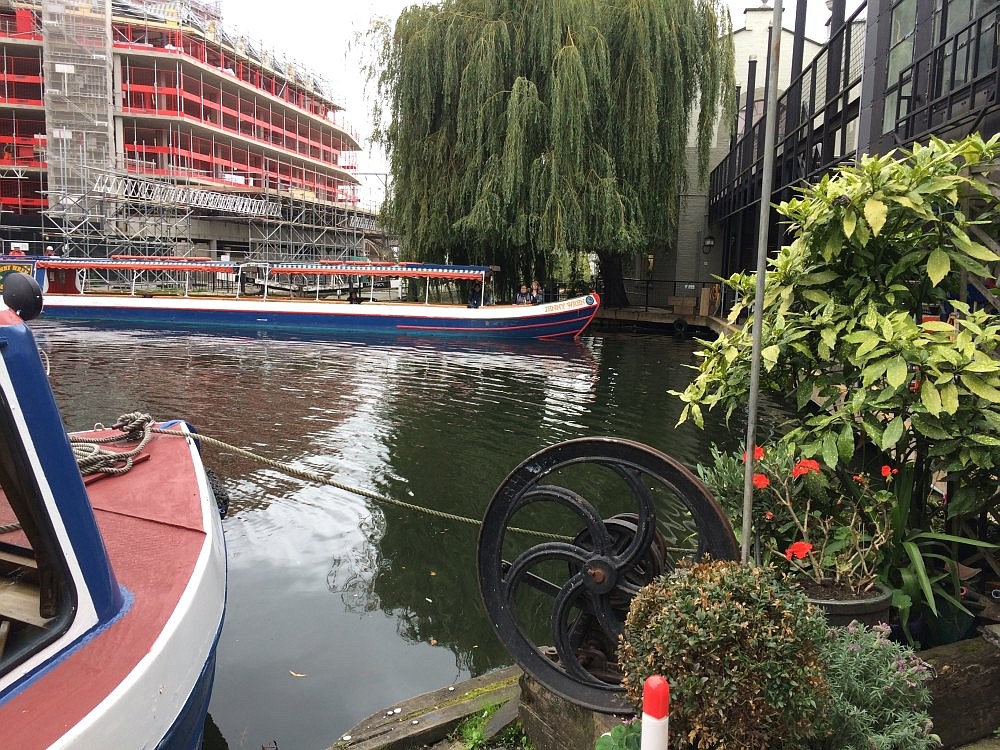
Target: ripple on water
(324, 577)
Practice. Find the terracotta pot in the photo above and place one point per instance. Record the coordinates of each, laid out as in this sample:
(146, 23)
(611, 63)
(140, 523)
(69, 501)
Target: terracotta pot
(870, 610)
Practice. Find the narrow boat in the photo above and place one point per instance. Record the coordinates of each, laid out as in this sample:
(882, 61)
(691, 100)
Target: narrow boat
(287, 296)
(112, 585)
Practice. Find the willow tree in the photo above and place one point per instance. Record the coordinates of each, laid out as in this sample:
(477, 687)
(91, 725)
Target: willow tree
(520, 132)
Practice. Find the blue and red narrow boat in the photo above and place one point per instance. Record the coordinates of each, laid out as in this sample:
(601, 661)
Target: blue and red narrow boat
(112, 587)
(169, 291)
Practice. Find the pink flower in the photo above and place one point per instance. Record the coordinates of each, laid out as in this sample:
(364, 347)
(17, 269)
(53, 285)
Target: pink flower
(798, 550)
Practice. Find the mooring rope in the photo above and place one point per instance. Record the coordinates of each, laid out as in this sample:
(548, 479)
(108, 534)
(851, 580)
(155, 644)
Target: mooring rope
(321, 478)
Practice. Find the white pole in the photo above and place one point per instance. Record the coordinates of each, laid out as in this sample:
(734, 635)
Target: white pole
(766, 177)
(655, 714)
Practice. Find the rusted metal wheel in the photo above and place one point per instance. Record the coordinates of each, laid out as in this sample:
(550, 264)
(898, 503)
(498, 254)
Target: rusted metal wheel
(567, 541)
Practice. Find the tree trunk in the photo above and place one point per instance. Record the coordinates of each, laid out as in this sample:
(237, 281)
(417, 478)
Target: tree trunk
(611, 274)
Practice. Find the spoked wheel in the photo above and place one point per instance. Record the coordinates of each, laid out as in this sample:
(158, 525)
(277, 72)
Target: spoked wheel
(567, 541)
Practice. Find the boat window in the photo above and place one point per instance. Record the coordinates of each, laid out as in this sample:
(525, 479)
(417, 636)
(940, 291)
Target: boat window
(36, 598)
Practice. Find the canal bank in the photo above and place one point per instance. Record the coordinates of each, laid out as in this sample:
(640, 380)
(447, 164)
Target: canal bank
(965, 709)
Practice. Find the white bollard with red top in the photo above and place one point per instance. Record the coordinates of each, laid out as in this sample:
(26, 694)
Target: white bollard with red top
(655, 713)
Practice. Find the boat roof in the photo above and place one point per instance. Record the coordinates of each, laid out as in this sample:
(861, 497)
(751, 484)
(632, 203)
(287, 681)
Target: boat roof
(323, 268)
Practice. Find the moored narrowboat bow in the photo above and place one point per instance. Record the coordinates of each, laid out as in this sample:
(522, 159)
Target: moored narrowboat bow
(112, 589)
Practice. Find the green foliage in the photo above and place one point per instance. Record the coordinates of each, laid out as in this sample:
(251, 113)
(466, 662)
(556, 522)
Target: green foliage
(471, 733)
(723, 476)
(621, 737)
(874, 245)
(521, 132)
(740, 650)
(878, 698)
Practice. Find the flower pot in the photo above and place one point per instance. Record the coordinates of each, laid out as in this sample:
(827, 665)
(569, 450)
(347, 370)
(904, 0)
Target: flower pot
(870, 609)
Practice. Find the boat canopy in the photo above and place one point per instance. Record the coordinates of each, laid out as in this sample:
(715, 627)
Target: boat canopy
(137, 263)
(400, 270)
(324, 268)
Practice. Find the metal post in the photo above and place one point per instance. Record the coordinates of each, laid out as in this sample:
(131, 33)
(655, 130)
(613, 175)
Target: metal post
(763, 225)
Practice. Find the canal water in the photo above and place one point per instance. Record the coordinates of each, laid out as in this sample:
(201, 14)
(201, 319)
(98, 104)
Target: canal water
(338, 607)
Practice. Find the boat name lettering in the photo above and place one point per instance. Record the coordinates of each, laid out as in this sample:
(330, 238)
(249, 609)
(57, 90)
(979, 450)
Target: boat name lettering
(6, 268)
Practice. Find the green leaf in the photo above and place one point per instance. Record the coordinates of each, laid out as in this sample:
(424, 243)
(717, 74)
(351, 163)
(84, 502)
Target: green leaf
(893, 432)
(875, 213)
(769, 355)
(816, 296)
(873, 372)
(896, 373)
(803, 393)
(845, 443)
(938, 326)
(930, 397)
(830, 449)
(980, 388)
(938, 266)
(985, 440)
(949, 398)
(929, 427)
(850, 223)
(920, 572)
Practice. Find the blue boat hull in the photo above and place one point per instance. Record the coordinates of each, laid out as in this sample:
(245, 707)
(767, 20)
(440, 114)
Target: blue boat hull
(553, 321)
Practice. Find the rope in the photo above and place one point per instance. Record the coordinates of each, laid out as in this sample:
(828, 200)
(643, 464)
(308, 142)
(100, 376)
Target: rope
(320, 478)
(93, 459)
(137, 427)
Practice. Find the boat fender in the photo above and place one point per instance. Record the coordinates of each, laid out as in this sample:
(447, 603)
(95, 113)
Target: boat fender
(680, 325)
(220, 492)
(22, 294)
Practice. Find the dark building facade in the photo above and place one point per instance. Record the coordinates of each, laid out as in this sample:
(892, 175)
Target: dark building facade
(894, 73)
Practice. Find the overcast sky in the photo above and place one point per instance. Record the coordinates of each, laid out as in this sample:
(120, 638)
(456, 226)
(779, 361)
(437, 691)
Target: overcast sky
(319, 33)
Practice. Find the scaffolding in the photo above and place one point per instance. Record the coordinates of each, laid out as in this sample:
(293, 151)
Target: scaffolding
(78, 114)
(308, 231)
(258, 169)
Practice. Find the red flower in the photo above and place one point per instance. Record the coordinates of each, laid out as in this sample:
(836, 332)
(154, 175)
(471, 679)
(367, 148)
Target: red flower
(805, 466)
(758, 453)
(798, 550)
(760, 481)
(889, 470)
(769, 516)
(859, 478)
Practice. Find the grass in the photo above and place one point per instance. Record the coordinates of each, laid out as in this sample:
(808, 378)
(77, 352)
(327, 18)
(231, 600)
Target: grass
(472, 733)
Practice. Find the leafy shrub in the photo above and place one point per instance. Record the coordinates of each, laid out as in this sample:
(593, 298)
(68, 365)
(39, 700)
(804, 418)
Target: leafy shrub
(877, 692)
(741, 651)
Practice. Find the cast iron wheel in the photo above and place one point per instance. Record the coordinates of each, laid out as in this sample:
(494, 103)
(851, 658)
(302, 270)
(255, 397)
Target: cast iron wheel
(558, 596)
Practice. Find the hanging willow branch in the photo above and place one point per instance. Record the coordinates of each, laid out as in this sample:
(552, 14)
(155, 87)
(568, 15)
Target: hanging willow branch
(522, 130)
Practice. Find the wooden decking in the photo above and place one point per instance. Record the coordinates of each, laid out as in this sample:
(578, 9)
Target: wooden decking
(431, 717)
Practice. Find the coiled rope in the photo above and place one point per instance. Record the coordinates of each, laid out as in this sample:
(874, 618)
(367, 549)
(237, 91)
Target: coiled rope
(93, 459)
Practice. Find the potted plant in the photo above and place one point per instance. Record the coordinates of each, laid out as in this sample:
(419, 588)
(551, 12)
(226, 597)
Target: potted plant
(847, 342)
(827, 529)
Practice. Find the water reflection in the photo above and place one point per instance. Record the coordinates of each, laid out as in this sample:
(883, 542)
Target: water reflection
(373, 603)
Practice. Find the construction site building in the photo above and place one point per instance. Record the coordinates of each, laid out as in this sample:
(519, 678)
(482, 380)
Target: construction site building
(133, 127)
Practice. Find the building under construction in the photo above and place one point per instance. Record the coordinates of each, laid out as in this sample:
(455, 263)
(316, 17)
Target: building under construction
(134, 127)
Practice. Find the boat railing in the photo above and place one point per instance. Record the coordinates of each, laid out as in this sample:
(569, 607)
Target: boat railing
(182, 276)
